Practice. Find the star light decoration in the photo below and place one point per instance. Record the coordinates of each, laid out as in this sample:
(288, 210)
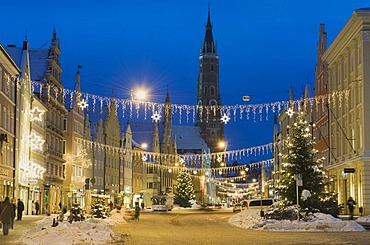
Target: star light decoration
(156, 117)
(36, 142)
(290, 112)
(36, 114)
(225, 118)
(83, 104)
(35, 171)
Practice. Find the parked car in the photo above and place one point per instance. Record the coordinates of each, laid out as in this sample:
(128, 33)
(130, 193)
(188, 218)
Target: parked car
(218, 206)
(257, 203)
(238, 207)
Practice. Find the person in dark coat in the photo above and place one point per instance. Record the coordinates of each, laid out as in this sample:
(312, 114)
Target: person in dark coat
(37, 207)
(20, 208)
(137, 211)
(351, 206)
(6, 215)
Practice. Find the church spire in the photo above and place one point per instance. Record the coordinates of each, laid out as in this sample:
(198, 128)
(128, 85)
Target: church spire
(167, 97)
(209, 45)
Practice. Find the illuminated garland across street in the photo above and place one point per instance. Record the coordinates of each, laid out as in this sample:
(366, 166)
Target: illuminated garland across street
(154, 156)
(188, 113)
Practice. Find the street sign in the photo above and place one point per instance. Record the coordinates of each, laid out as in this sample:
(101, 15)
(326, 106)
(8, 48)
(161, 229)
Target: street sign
(349, 170)
(299, 182)
(299, 176)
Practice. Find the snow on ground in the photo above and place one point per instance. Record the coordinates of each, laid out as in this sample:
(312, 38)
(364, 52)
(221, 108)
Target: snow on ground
(250, 219)
(90, 231)
(364, 219)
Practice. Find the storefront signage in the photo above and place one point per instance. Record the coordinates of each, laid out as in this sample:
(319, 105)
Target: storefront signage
(33, 181)
(349, 170)
(4, 172)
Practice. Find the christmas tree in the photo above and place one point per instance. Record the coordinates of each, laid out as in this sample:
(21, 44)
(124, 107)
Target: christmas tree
(100, 210)
(184, 190)
(299, 160)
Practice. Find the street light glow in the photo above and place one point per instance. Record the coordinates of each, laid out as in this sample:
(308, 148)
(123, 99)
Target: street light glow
(222, 144)
(139, 94)
(144, 145)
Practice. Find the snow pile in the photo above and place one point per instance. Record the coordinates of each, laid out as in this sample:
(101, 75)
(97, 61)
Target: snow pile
(90, 231)
(364, 219)
(250, 219)
(115, 218)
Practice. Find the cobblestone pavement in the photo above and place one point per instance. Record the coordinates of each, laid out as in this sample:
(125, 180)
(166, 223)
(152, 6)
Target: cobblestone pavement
(27, 223)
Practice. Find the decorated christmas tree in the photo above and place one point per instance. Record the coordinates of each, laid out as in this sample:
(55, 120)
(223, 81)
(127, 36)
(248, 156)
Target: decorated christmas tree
(184, 190)
(299, 160)
(100, 210)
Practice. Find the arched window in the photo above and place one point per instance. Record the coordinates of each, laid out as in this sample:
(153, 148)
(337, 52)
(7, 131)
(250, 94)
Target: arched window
(212, 102)
(212, 90)
(206, 90)
(212, 68)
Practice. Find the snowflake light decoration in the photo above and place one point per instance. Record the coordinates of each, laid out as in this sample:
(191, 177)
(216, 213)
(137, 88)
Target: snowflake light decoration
(144, 158)
(220, 172)
(219, 159)
(36, 114)
(182, 161)
(83, 104)
(290, 112)
(156, 117)
(225, 118)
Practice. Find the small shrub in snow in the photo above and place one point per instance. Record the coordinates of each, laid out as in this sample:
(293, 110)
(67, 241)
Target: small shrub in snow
(100, 210)
(282, 211)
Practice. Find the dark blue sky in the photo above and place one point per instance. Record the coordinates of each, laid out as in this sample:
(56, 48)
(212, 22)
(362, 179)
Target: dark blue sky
(265, 46)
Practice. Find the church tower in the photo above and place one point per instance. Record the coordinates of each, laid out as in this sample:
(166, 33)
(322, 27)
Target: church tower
(208, 91)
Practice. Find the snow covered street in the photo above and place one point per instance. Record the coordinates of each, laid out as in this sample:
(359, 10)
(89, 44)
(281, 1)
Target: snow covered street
(192, 226)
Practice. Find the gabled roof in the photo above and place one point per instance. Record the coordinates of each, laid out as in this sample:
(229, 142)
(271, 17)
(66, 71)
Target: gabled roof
(15, 53)
(38, 63)
(188, 138)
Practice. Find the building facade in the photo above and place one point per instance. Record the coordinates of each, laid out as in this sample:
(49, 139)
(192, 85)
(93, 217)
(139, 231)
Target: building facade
(78, 166)
(9, 72)
(320, 112)
(348, 59)
(112, 140)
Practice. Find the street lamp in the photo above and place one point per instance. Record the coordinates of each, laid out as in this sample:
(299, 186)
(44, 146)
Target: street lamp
(223, 146)
(139, 94)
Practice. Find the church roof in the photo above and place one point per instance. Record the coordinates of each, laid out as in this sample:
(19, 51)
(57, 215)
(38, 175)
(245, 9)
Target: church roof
(188, 137)
(209, 45)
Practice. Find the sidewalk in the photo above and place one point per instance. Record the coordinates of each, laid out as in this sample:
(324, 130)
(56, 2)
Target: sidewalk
(27, 223)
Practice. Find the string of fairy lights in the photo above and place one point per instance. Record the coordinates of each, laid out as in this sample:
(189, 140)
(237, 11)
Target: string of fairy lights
(188, 113)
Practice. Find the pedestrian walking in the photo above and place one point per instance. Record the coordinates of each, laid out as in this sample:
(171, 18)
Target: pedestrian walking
(6, 215)
(37, 207)
(20, 208)
(351, 206)
(137, 211)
